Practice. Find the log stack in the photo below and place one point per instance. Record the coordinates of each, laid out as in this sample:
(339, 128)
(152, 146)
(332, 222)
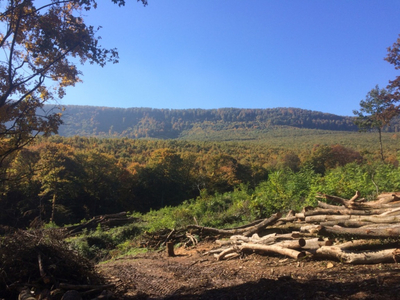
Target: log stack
(353, 231)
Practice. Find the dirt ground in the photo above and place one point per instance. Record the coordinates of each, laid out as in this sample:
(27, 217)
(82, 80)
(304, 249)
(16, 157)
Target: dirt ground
(192, 275)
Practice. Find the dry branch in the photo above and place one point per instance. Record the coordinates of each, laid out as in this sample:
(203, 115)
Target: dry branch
(247, 231)
(110, 220)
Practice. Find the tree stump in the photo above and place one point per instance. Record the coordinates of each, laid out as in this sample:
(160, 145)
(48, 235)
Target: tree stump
(170, 249)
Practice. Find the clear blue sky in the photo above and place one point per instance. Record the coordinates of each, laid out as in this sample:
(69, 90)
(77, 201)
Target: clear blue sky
(311, 54)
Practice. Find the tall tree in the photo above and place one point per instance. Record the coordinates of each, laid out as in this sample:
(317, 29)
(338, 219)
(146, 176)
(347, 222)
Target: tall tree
(393, 57)
(39, 41)
(57, 170)
(376, 112)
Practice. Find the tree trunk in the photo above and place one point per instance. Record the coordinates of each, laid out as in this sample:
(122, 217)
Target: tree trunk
(273, 248)
(372, 219)
(369, 244)
(53, 208)
(380, 143)
(372, 233)
(367, 257)
(170, 249)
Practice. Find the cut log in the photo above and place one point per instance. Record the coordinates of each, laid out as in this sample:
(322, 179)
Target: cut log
(316, 243)
(373, 219)
(345, 211)
(313, 229)
(360, 232)
(273, 248)
(367, 257)
(330, 206)
(265, 240)
(346, 223)
(373, 227)
(294, 244)
(369, 244)
(285, 228)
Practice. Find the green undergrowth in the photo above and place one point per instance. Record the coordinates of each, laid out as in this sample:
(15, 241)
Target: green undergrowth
(283, 191)
(99, 245)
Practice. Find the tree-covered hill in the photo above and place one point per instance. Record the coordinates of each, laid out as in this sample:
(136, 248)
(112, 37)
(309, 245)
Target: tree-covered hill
(191, 123)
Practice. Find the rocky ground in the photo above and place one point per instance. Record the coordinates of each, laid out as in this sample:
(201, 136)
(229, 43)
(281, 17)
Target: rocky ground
(192, 275)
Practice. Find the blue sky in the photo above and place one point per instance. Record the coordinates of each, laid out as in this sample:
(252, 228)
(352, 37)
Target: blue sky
(311, 54)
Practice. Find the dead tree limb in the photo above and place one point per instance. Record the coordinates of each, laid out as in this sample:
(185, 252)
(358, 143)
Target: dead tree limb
(247, 231)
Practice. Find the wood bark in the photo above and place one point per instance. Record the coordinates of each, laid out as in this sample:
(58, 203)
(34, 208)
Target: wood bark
(392, 232)
(373, 219)
(369, 244)
(170, 249)
(273, 248)
(366, 257)
(346, 211)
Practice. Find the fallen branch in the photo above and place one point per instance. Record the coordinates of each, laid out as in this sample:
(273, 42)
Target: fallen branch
(247, 231)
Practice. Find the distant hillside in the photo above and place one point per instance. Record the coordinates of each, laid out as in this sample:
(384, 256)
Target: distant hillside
(186, 123)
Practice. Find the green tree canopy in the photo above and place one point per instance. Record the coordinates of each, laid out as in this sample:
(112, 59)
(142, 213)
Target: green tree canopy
(40, 43)
(376, 112)
(393, 57)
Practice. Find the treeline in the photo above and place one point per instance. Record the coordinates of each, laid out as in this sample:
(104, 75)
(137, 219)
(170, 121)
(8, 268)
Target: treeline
(176, 123)
(64, 180)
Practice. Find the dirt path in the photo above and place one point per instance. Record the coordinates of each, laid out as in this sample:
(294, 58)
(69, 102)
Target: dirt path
(190, 275)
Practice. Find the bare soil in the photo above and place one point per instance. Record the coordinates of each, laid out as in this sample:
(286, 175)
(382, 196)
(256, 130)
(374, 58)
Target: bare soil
(192, 275)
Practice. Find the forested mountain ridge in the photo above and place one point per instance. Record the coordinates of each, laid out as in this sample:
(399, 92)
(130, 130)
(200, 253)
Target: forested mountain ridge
(178, 123)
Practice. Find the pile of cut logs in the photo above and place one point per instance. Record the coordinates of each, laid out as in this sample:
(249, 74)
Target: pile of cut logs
(354, 231)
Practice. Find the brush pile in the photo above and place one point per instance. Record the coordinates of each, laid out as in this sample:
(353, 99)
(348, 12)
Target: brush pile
(354, 231)
(39, 263)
